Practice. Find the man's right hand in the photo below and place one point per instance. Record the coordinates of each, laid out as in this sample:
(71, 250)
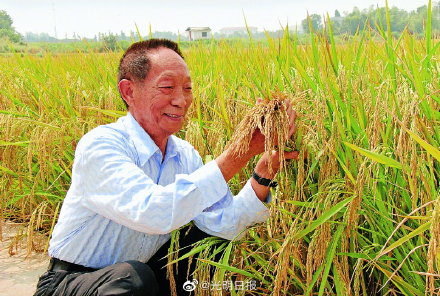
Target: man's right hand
(231, 164)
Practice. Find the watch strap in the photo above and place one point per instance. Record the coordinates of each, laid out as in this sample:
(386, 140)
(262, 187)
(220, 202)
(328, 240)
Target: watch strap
(264, 181)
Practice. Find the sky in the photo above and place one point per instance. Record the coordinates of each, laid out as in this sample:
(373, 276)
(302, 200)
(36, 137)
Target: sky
(63, 18)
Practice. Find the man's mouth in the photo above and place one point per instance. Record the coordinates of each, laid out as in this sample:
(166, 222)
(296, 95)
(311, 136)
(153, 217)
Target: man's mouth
(173, 115)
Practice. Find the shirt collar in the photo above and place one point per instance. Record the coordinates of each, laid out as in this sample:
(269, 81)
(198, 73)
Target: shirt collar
(144, 144)
(172, 147)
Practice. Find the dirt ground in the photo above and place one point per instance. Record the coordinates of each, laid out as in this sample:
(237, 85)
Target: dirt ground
(18, 273)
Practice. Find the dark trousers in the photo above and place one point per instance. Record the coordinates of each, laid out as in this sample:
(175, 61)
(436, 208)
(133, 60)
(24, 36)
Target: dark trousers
(125, 278)
(157, 262)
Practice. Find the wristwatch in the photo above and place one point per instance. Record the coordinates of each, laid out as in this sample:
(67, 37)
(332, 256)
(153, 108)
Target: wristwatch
(264, 181)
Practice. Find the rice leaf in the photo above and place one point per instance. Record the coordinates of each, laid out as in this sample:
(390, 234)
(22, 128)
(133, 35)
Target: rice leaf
(428, 147)
(234, 269)
(376, 156)
(323, 218)
(419, 230)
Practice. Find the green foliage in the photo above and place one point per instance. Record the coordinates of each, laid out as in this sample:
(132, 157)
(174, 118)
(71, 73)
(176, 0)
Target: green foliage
(110, 42)
(5, 20)
(316, 22)
(10, 35)
(6, 30)
(373, 17)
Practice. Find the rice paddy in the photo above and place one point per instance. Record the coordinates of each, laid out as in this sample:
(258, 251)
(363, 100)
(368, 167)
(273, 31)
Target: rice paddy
(357, 214)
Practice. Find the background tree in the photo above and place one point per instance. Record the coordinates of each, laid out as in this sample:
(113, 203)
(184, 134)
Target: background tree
(337, 22)
(110, 41)
(315, 19)
(41, 37)
(353, 21)
(375, 18)
(6, 29)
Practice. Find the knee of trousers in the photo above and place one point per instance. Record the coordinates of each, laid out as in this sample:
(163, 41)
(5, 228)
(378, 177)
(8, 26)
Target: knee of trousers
(142, 277)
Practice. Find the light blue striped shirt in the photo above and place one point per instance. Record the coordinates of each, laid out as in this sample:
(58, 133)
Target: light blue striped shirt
(124, 200)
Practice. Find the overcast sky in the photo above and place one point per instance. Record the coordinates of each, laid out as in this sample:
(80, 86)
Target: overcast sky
(87, 18)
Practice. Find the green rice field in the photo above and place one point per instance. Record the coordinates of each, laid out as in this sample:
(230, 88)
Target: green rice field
(357, 214)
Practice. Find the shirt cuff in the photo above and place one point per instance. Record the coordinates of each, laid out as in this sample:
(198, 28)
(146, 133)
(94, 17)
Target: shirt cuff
(268, 197)
(253, 205)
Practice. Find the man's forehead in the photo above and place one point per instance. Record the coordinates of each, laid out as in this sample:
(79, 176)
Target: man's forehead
(167, 63)
(171, 74)
(161, 52)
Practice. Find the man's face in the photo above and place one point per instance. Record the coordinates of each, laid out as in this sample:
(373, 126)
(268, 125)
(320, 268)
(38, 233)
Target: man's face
(161, 101)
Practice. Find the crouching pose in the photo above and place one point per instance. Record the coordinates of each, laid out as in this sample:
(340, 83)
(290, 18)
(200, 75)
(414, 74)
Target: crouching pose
(134, 182)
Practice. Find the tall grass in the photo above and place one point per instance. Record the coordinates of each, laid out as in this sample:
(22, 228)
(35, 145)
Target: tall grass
(358, 216)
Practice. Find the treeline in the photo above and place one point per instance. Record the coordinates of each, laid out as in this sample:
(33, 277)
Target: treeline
(122, 36)
(373, 17)
(347, 23)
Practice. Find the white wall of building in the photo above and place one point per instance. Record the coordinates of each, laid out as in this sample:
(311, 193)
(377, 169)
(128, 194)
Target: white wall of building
(197, 35)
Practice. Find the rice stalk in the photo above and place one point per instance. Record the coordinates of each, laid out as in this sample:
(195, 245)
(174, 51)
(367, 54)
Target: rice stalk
(271, 119)
(434, 251)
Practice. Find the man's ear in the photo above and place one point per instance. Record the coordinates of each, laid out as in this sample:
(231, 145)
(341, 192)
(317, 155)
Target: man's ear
(126, 89)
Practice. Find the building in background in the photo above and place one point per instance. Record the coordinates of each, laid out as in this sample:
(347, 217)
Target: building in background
(197, 33)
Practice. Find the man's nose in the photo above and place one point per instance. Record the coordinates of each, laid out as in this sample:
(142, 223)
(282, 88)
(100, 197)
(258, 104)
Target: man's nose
(179, 98)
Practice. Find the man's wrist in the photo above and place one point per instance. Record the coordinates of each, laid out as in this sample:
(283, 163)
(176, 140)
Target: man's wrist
(264, 181)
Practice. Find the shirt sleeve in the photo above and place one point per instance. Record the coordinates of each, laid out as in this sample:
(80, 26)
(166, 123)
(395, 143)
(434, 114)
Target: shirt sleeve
(113, 186)
(230, 217)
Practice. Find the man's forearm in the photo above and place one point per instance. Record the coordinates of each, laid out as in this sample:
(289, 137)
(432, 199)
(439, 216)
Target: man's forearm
(230, 164)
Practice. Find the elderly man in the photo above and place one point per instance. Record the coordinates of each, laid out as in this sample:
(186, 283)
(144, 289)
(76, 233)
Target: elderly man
(134, 182)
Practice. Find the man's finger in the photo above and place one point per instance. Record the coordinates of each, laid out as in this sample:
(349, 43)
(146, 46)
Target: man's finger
(292, 129)
(291, 155)
(292, 116)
